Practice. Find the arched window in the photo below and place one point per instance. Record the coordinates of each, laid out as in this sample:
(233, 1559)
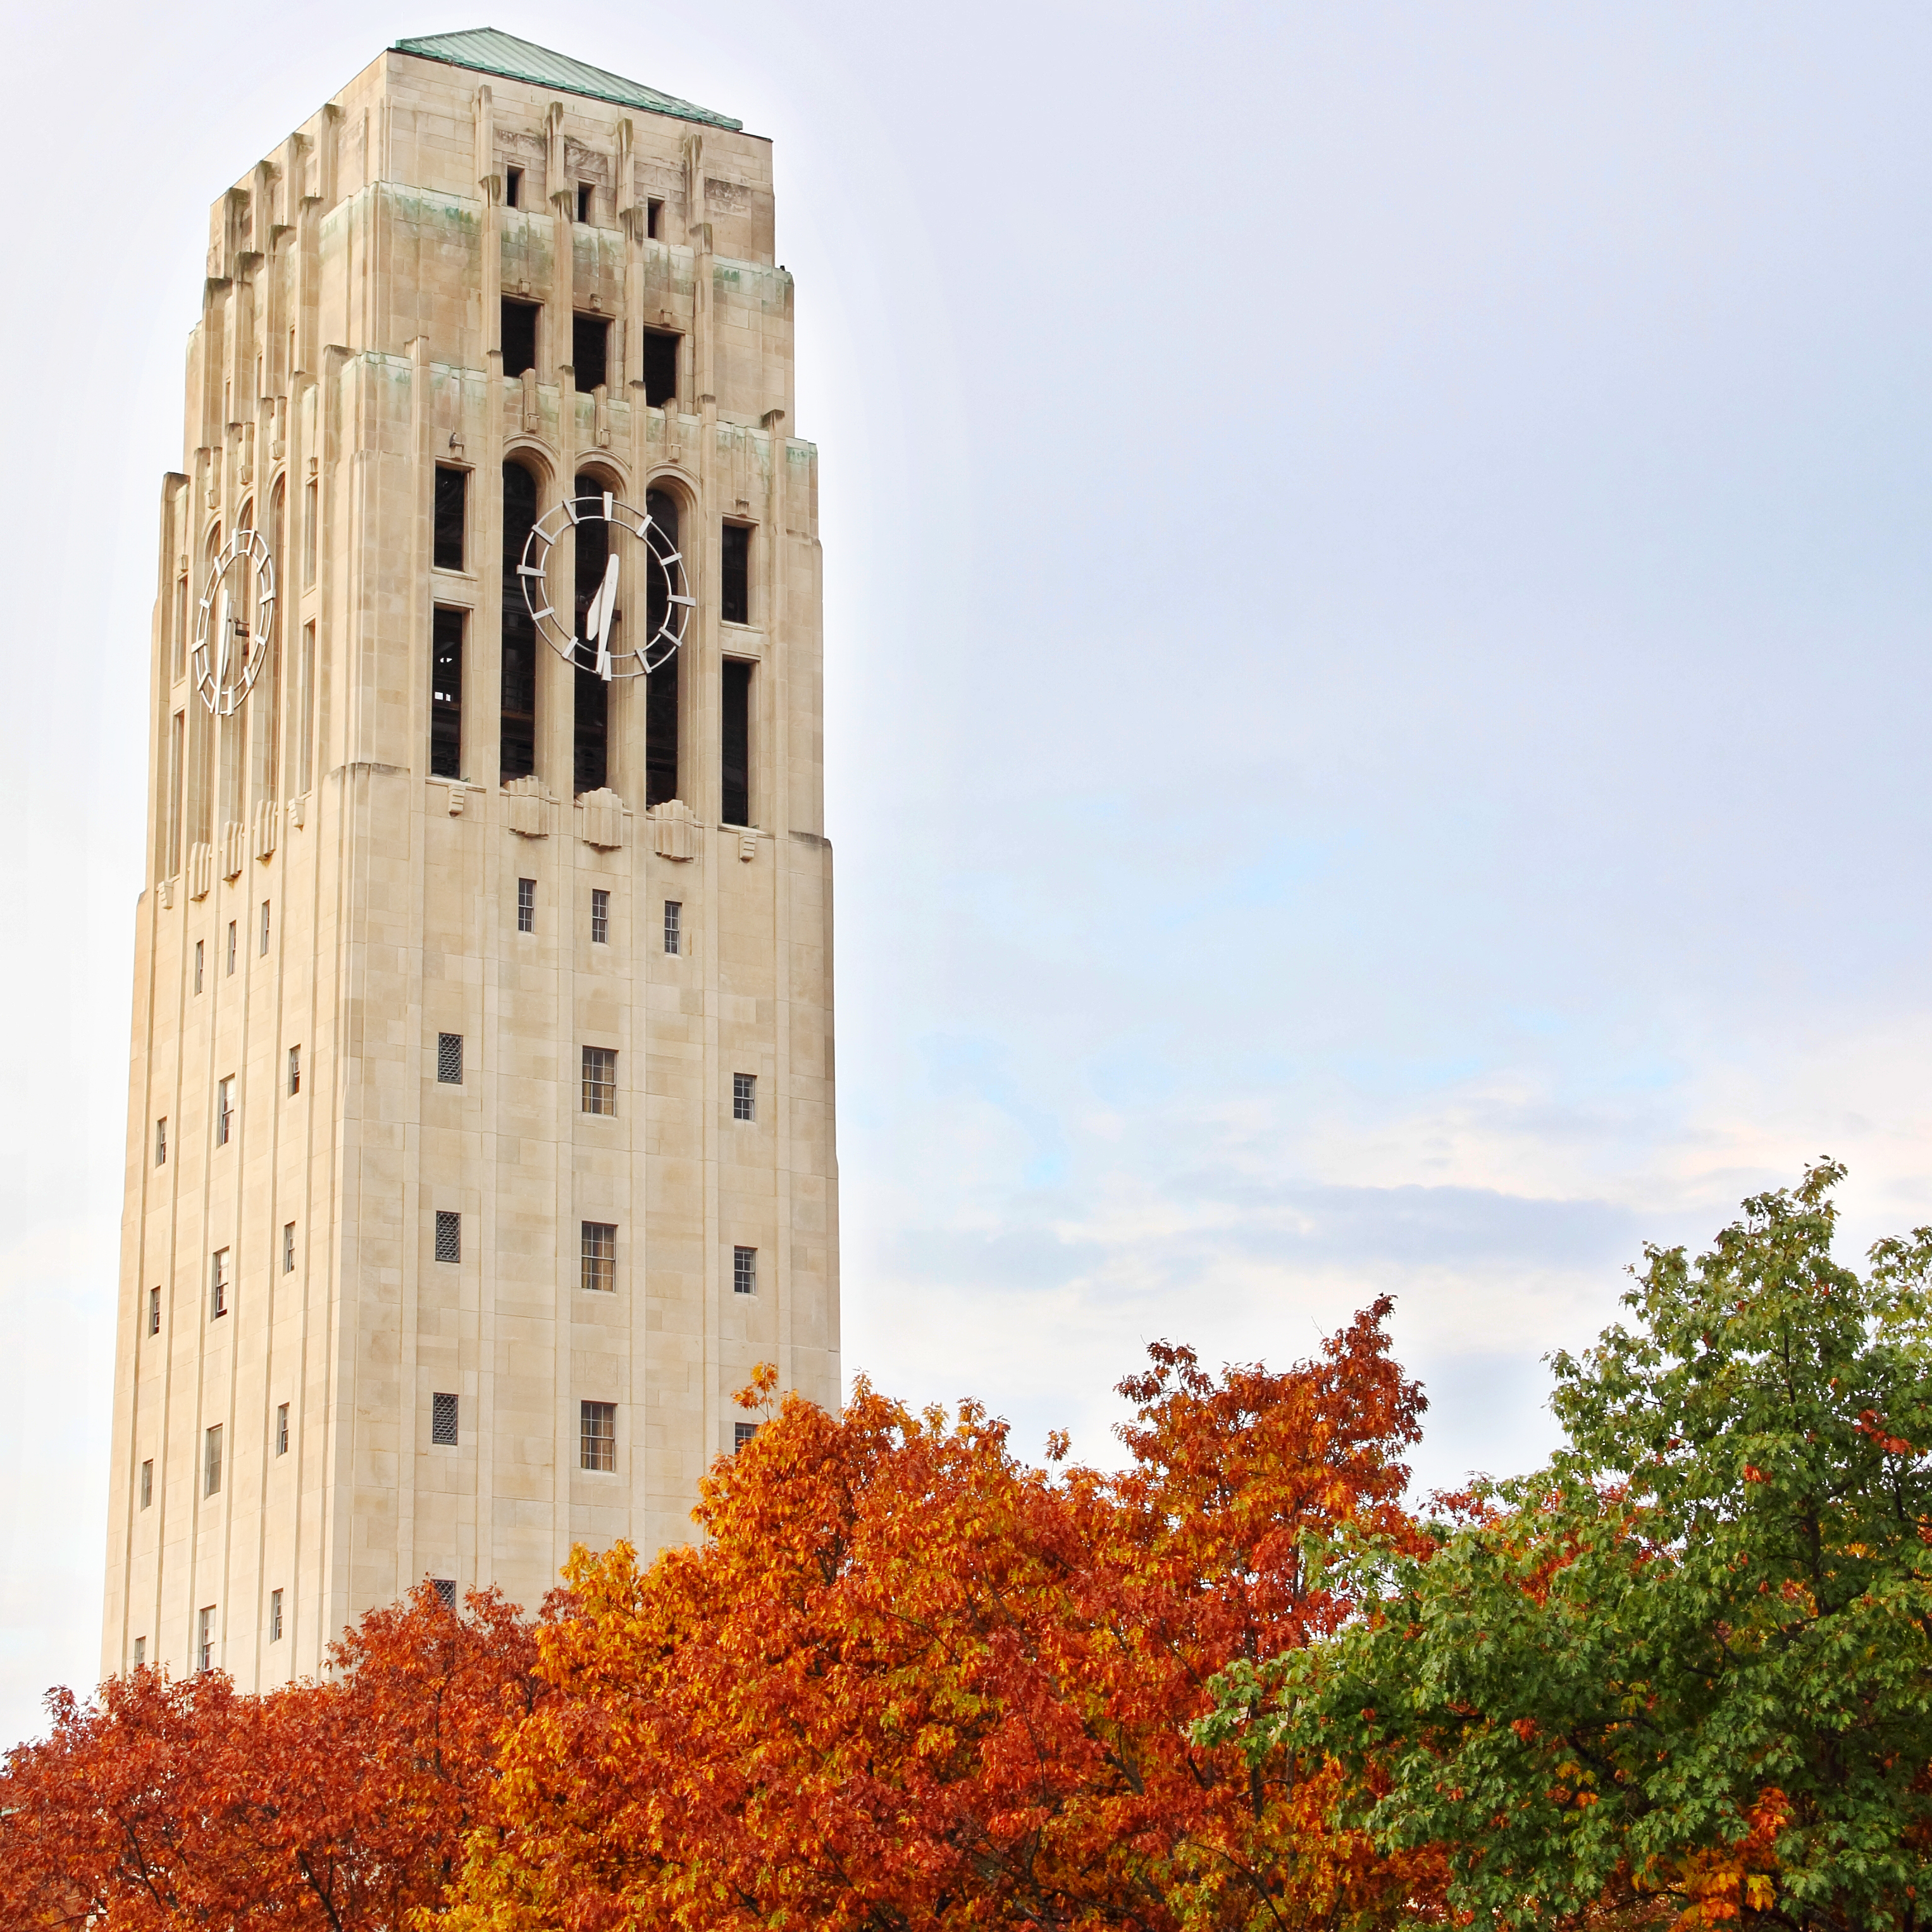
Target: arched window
(518, 752)
(264, 702)
(661, 686)
(591, 714)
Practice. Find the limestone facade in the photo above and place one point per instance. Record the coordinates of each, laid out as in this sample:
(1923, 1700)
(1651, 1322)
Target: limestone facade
(328, 903)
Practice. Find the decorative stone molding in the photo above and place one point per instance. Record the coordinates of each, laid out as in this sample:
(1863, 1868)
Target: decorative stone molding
(167, 892)
(673, 829)
(748, 846)
(458, 794)
(602, 823)
(533, 813)
(200, 870)
(268, 825)
(234, 849)
(298, 810)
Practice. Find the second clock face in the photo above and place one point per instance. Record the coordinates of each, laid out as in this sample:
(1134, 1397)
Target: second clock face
(234, 622)
(626, 615)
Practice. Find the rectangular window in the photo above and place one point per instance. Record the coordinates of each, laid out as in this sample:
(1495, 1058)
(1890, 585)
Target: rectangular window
(734, 588)
(446, 694)
(445, 1590)
(305, 712)
(295, 1070)
(442, 1420)
(231, 945)
(218, 1285)
(513, 187)
(744, 1271)
(263, 943)
(600, 1257)
(180, 629)
(583, 201)
(517, 658)
(598, 1437)
(281, 1429)
(741, 1432)
(600, 917)
(140, 1651)
(589, 350)
(527, 905)
(210, 1463)
(660, 368)
(449, 1059)
(600, 1080)
(161, 1142)
(674, 925)
(735, 749)
(274, 1616)
(452, 516)
(520, 336)
(154, 1311)
(148, 1484)
(204, 1639)
(744, 1097)
(288, 1247)
(171, 830)
(448, 1236)
(224, 1111)
(653, 219)
(308, 534)
(197, 965)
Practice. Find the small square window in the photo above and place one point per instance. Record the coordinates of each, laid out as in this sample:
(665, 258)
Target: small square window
(224, 1110)
(600, 917)
(281, 1429)
(744, 1097)
(442, 1420)
(599, 1273)
(274, 1616)
(210, 1462)
(217, 1289)
(446, 1591)
(231, 946)
(148, 1484)
(527, 905)
(154, 1311)
(140, 1651)
(600, 1080)
(295, 1070)
(744, 1271)
(265, 928)
(288, 1247)
(448, 1236)
(449, 1059)
(161, 1142)
(197, 965)
(452, 503)
(741, 1432)
(598, 1435)
(674, 925)
(204, 1639)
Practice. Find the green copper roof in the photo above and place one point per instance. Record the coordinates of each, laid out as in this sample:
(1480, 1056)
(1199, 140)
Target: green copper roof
(488, 51)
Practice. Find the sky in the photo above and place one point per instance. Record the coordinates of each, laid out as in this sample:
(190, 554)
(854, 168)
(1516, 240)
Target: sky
(1376, 616)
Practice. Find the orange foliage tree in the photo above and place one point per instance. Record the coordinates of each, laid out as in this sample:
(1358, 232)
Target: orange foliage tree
(906, 1680)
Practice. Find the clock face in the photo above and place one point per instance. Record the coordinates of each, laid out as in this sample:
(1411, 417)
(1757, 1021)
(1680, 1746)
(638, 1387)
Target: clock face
(235, 623)
(629, 609)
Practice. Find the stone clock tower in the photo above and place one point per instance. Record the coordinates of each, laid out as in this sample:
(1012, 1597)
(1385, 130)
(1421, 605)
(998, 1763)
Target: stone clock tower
(480, 1136)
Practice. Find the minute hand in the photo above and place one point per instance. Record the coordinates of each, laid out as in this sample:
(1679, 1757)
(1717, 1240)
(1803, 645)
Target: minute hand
(603, 608)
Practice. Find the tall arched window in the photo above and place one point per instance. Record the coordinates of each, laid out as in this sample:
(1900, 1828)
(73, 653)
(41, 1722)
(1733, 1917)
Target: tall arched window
(591, 714)
(265, 701)
(518, 753)
(661, 686)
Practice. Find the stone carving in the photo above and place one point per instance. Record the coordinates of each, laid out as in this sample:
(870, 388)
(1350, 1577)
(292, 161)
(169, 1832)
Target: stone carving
(602, 824)
(200, 870)
(533, 812)
(298, 810)
(748, 845)
(673, 829)
(234, 849)
(268, 823)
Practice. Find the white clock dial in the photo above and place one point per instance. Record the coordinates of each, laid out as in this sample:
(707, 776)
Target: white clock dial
(234, 622)
(643, 556)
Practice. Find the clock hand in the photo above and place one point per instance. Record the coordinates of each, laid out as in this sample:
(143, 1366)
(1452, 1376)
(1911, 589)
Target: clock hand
(605, 606)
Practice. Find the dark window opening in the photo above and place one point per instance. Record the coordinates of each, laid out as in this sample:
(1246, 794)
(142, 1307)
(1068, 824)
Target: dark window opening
(583, 201)
(452, 502)
(653, 218)
(520, 336)
(445, 694)
(443, 1418)
(734, 587)
(513, 187)
(661, 698)
(735, 763)
(590, 724)
(659, 369)
(449, 1059)
(590, 352)
(518, 753)
(448, 1236)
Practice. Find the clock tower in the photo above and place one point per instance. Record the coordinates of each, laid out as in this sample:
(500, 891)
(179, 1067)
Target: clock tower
(481, 1088)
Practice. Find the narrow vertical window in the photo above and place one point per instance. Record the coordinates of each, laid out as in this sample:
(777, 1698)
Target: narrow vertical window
(442, 1419)
(661, 698)
(161, 1142)
(148, 1484)
(518, 738)
(744, 1097)
(154, 1311)
(744, 1271)
(735, 750)
(140, 1652)
(288, 1247)
(224, 1110)
(231, 945)
(653, 219)
(448, 1236)
(304, 747)
(741, 1432)
(520, 345)
(452, 510)
(264, 941)
(218, 1285)
(674, 925)
(204, 1639)
(197, 965)
(527, 905)
(274, 1616)
(734, 585)
(295, 1070)
(171, 837)
(659, 369)
(210, 1462)
(308, 534)
(600, 1080)
(583, 201)
(180, 624)
(590, 717)
(513, 187)
(281, 1429)
(600, 917)
(599, 1275)
(598, 1435)
(590, 350)
(449, 1059)
(445, 694)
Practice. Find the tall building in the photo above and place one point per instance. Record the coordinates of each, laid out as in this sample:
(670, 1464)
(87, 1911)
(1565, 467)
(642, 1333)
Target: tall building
(480, 1136)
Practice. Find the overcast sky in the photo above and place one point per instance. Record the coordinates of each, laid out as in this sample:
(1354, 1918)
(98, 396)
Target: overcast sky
(1376, 588)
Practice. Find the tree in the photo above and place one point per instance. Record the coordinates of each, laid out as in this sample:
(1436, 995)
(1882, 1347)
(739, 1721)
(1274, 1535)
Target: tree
(167, 1803)
(1691, 1658)
(907, 1680)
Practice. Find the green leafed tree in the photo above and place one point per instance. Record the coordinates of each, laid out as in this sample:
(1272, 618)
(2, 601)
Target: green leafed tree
(1688, 1665)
